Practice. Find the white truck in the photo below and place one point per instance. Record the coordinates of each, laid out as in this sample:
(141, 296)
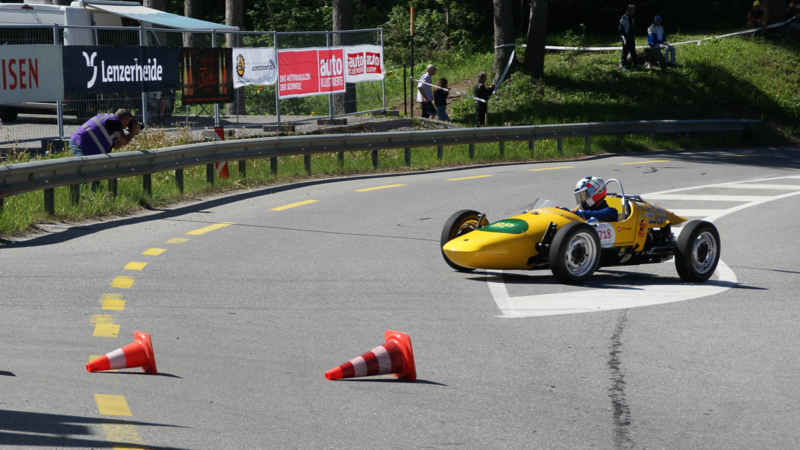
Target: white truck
(32, 22)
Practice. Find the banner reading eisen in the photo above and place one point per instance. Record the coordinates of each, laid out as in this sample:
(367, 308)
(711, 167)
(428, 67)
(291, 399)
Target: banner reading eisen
(310, 71)
(364, 63)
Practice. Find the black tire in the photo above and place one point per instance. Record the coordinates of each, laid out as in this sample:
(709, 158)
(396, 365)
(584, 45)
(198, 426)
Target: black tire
(459, 224)
(575, 253)
(698, 252)
(8, 115)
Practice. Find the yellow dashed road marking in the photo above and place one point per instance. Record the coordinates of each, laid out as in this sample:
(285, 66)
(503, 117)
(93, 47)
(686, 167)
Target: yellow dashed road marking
(176, 241)
(112, 405)
(644, 162)
(379, 187)
(205, 230)
(551, 168)
(154, 251)
(122, 282)
(123, 434)
(468, 178)
(293, 205)
(104, 326)
(134, 265)
(113, 302)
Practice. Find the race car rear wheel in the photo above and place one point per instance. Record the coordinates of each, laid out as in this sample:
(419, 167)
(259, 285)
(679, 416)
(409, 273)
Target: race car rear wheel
(574, 253)
(698, 251)
(458, 224)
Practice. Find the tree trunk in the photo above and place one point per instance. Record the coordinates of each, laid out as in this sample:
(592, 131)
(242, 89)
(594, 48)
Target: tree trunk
(193, 9)
(344, 19)
(234, 17)
(503, 34)
(160, 5)
(537, 32)
(775, 10)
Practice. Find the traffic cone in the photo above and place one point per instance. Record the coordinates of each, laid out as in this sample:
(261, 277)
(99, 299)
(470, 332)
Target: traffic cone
(395, 356)
(138, 353)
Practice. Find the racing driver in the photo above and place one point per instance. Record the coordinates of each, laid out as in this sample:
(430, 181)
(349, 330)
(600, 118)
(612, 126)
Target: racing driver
(590, 194)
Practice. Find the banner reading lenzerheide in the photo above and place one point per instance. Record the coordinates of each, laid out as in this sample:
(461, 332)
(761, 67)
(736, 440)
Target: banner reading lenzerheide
(311, 71)
(119, 69)
(207, 75)
(30, 73)
(364, 63)
(254, 66)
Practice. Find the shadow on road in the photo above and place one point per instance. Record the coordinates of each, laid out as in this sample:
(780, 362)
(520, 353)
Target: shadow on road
(389, 380)
(18, 428)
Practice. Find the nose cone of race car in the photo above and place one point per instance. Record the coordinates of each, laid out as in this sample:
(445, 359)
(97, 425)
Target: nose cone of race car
(491, 250)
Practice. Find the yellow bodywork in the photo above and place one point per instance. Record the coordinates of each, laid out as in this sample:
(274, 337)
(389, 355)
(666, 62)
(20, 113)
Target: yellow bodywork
(500, 250)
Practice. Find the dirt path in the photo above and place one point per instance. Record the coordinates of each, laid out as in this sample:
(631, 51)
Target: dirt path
(464, 86)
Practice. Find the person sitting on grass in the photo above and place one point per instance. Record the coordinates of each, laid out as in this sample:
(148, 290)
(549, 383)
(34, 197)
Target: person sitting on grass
(440, 100)
(657, 39)
(756, 17)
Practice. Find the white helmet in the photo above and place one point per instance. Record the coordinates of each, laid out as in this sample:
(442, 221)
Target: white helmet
(590, 191)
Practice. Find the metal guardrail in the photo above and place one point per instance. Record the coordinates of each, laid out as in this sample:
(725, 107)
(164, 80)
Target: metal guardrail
(46, 175)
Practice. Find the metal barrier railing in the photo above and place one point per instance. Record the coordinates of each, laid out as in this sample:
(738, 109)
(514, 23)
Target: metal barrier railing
(46, 175)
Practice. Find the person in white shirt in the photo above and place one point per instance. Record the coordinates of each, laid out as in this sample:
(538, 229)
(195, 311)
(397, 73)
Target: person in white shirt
(657, 39)
(425, 93)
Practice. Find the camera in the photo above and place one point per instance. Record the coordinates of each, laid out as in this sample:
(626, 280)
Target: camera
(134, 122)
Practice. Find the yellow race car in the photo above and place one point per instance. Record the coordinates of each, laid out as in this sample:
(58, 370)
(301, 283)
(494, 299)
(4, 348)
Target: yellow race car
(548, 236)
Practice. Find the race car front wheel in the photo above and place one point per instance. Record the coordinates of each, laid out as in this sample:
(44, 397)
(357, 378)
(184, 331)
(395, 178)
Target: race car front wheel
(459, 224)
(575, 253)
(698, 251)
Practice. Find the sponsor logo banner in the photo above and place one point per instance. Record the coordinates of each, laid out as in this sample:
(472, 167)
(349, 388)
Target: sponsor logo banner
(254, 66)
(207, 75)
(364, 63)
(30, 73)
(311, 71)
(119, 69)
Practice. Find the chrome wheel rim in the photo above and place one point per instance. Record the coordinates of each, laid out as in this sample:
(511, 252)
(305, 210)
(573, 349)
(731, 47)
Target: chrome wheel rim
(466, 227)
(704, 253)
(580, 255)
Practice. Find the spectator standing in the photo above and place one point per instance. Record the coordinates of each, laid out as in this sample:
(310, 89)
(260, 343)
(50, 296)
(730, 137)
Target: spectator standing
(482, 92)
(440, 100)
(793, 10)
(424, 92)
(627, 33)
(657, 39)
(756, 17)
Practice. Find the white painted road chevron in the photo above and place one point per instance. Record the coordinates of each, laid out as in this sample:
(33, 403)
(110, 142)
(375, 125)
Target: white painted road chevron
(644, 294)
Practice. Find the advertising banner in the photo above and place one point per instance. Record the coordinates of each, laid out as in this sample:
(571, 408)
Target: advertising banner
(364, 63)
(254, 66)
(119, 69)
(30, 73)
(207, 75)
(311, 71)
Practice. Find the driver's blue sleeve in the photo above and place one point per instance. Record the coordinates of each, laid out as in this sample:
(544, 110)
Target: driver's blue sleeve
(604, 215)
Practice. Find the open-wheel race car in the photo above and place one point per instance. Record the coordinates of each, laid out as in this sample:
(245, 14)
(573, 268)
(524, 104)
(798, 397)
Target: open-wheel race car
(548, 236)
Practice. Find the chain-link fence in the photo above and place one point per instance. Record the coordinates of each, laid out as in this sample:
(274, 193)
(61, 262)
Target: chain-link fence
(26, 124)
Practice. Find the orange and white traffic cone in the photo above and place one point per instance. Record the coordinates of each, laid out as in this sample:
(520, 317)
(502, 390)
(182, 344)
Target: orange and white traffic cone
(395, 356)
(138, 353)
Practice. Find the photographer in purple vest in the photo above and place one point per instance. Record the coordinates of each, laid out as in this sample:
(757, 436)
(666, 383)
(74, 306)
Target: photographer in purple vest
(104, 132)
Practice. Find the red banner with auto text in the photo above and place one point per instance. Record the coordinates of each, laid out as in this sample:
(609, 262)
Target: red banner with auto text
(310, 71)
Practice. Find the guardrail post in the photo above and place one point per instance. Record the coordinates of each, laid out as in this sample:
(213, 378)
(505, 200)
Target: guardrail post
(560, 146)
(686, 140)
(50, 201)
(439, 152)
(619, 140)
(408, 156)
(652, 138)
(112, 187)
(307, 163)
(210, 173)
(374, 159)
(588, 141)
(243, 168)
(273, 165)
(75, 193)
(471, 151)
(147, 184)
(341, 158)
(530, 147)
(2, 202)
(502, 146)
(179, 179)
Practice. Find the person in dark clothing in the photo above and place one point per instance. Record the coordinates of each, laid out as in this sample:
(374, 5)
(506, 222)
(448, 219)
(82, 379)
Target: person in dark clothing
(482, 92)
(756, 18)
(590, 194)
(627, 33)
(440, 100)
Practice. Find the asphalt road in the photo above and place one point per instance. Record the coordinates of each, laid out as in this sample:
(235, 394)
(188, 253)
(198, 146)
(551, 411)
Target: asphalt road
(247, 317)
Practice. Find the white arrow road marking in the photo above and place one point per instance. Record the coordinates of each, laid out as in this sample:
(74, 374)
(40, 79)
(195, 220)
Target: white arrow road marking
(634, 295)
